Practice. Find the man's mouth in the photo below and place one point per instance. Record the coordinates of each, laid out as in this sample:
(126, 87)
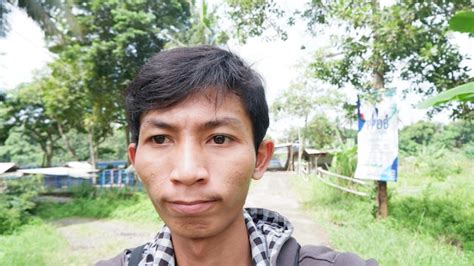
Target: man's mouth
(191, 207)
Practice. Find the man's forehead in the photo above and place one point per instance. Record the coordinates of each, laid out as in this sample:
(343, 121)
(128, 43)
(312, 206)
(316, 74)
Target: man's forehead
(203, 108)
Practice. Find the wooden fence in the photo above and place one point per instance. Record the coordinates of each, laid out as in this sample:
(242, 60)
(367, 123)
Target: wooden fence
(325, 177)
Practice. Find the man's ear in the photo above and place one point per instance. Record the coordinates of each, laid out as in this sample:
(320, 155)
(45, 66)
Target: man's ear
(132, 151)
(264, 154)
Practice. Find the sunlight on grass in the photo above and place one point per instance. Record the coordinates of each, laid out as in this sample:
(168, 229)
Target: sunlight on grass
(433, 226)
(34, 244)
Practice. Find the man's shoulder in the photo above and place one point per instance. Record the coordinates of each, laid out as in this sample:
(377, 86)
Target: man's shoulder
(118, 260)
(293, 254)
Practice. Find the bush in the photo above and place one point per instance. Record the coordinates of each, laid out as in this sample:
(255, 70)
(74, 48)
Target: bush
(17, 202)
(447, 219)
(344, 161)
(469, 150)
(89, 202)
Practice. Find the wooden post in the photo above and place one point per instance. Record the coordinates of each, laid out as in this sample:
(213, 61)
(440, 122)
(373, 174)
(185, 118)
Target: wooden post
(382, 200)
(379, 83)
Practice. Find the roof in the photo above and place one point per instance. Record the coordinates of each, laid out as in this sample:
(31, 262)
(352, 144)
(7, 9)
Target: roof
(315, 152)
(79, 165)
(5, 167)
(60, 171)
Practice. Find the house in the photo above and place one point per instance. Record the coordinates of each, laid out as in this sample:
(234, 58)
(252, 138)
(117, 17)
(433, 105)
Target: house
(286, 154)
(7, 171)
(71, 174)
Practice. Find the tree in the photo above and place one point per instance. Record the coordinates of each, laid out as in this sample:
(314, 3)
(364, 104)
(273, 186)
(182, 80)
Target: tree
(365, 55)
(423, 54)
(363, 47)
(300, 101)
(118, 37)
(26, 115)
(204, 28)
(50, 15)
(462, 22)
(321, 132)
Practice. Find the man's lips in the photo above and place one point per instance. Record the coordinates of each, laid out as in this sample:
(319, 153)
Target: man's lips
(191, 207)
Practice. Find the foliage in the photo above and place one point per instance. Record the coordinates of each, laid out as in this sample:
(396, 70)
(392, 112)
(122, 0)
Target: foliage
(101, 203)
(320, 132)
(433, 162)
(45, 13)
(82, 91)
(445, 218)
(118, 37)
(255, 17)
(362, 54)
(423, 48)
(462, 21)
(32, 245)
(415, 137)
(114, 146)
(431, 228)
(344, 161)
(204, 29)
(25, 113)
(463, 92)
(17, 202)
(19, 150)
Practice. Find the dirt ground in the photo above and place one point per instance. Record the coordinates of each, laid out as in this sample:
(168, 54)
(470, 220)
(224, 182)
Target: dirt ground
(274, 192)
(91, 240)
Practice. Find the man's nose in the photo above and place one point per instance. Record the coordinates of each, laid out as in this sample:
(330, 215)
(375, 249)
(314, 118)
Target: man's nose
(190, 165)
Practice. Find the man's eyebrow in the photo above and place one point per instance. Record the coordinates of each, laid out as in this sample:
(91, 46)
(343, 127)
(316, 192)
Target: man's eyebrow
(223, 121)
(156, 123)
(218, 122)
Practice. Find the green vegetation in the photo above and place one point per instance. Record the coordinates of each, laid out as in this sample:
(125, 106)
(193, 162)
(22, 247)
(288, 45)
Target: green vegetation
(17, 203)
(30, 237)
(101, 203)
(35, 244)
(430, 219)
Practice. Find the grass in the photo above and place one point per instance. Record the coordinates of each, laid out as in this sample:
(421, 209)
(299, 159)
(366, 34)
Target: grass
(432, 225)
(107, 204)
(34, 244)
(40, 243)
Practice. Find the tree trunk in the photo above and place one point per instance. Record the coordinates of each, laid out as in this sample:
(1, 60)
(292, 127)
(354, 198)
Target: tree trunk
(379, 83)
(300, 150)
(49, 153)
(290, 158)
(69, 147)
(92, 155)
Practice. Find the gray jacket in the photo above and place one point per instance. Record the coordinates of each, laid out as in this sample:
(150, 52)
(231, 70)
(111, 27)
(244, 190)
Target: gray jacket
(275, 241)
(290, 254)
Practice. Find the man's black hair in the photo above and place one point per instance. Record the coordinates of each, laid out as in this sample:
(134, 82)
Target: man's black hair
(172, 76)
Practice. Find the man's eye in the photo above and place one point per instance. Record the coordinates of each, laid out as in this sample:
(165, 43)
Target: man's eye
(159, 139)
(220, 139)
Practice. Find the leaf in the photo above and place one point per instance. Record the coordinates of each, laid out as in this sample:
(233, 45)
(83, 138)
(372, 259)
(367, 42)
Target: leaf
(463, 21)
(461, 93)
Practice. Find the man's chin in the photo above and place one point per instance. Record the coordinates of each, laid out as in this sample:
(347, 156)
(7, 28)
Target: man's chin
(193, 230)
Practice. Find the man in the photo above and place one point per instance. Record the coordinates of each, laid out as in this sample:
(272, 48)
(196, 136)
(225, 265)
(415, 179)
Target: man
(198, 118)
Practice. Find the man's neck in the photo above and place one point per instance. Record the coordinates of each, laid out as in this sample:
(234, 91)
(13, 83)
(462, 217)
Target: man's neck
(230, 247)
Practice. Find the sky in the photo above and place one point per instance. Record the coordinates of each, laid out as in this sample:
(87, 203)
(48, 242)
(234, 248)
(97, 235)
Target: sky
(24, 51)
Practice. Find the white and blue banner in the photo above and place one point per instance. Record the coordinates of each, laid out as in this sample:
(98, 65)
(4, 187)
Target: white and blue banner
(377, 138)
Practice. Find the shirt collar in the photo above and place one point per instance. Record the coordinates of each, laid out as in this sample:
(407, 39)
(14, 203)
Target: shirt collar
(265, 241)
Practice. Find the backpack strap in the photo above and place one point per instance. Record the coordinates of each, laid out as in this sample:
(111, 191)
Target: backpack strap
(289, 253)
(136, 256)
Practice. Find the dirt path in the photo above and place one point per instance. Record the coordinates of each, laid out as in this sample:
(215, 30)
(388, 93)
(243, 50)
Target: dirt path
(274, 192)
(90, 240)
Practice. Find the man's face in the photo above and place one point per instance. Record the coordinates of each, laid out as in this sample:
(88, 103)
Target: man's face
(196, 160)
